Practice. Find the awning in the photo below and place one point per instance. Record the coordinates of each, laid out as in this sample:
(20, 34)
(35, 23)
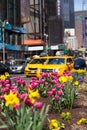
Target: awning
(8, 27)
(12, 47)
(1, 45)
(34, 42)
(20, 30)
(13, 29)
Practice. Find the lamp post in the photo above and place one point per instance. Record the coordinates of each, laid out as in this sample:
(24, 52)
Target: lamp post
(3, 24)
(3, 30)
(46, 35)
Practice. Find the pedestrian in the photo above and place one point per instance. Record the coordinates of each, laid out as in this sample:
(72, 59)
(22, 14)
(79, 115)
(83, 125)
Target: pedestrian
(80, 62)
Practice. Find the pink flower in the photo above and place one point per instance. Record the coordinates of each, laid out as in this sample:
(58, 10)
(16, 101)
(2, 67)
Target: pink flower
(68, 73)
(39, 105)
(23, 82)
(28, 102)
(59, 92)
(50, 93)
(2, 97)
(29, 86)
(56, 97)
(5, 90)
(14, 89)
(7, 82)
(54, 81)
(58, 85)
(8, 85)
(17, 106)
(34, 85)
(34, 78)
(23, 96)
(46, 83)
(63, 85)
(54, 90)
(1, 86)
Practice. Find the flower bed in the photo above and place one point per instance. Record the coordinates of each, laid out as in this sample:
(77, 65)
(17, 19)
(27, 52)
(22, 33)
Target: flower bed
(22, 105)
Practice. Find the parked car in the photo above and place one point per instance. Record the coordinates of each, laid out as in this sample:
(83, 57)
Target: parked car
(4, 68)
(18, 66)
(49, 64)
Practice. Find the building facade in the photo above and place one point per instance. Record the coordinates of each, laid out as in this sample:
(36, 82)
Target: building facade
(81, 28)
(10, 19)
(10, 11)
(68, 13)
(54, 22)
(45, 21)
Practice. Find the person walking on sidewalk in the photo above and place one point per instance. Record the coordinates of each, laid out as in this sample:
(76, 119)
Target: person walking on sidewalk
(80, 62)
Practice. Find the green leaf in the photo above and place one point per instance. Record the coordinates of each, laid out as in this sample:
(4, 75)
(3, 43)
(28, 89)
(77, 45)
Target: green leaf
(3, 124)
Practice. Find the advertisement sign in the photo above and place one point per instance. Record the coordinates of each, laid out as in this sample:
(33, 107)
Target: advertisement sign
(35, 48)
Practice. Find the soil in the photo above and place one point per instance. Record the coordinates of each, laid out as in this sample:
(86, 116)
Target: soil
(78, 111)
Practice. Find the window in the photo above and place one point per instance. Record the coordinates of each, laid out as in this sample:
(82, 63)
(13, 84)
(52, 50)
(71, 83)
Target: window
(56, 61)
(69, 60)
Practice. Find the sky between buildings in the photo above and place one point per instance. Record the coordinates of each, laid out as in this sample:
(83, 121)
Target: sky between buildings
(80, 5)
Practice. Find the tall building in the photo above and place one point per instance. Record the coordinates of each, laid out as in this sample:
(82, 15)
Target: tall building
(81, 27)
(45, 21)
(68, 13)
(10, 23)
(54, 22)
(10, 10)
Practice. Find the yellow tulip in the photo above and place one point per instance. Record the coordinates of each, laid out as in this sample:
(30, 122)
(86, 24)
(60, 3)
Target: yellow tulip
(34, 94)
(11, 99)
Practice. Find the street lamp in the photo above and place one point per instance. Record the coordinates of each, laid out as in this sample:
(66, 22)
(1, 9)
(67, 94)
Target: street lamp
(46, 35)
(2, 25)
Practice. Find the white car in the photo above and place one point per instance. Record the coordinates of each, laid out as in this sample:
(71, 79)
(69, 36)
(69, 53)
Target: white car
(18, 66)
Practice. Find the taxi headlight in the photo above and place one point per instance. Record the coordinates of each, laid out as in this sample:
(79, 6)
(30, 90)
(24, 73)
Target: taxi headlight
(40, 70)
(20, 67)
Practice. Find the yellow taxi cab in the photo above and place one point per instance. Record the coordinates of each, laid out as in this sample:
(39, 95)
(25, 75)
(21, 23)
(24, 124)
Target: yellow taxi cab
(49, 64)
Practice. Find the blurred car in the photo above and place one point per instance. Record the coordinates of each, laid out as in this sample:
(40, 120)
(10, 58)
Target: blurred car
(4, 68)
(18, 66)
(49, 64)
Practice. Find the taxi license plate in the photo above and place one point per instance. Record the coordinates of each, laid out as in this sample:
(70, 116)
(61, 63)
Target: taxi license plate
(32, 72)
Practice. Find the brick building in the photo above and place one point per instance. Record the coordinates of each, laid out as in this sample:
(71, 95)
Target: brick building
(80, 27)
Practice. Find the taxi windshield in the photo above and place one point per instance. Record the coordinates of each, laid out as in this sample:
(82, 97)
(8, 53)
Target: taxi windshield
(57, 61)
(37, 61)
(19, 62)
